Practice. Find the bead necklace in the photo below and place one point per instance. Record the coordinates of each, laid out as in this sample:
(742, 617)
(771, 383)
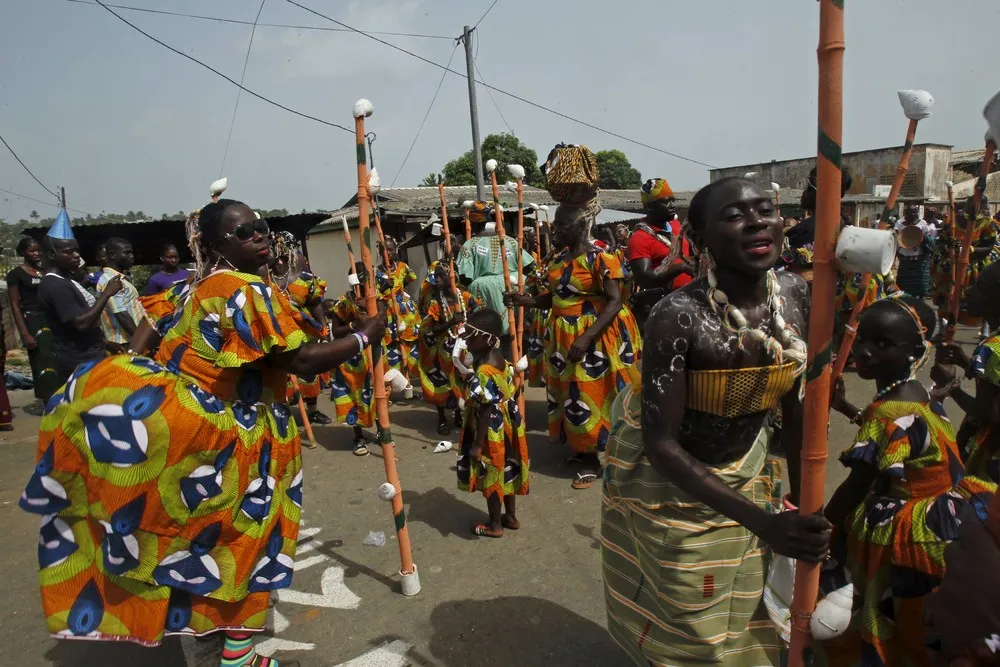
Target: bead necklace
(889, 388)
(787, 345)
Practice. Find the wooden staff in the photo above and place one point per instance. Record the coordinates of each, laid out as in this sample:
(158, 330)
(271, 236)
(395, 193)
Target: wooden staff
(447, 247)
(392, 304)
(955, 302)
(302, 412)
(951, 227)
(817, 402)
(515, 344)
(851, 330)
(468, 223)
(518, 171)
(363, 109)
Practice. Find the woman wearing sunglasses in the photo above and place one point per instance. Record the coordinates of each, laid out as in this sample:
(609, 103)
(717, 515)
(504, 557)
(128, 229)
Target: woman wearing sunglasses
(171, 488)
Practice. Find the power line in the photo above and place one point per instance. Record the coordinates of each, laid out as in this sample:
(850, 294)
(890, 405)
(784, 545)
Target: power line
(485, 14)
(504, 92)
(21, 162)
(239, 91)
(490, 93)
(220, 19)
(43, 203)
(428, 113)
(217, 72)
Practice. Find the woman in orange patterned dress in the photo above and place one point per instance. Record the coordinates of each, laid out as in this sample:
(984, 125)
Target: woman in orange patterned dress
(594, 340)
(171, 489)
(404, 323)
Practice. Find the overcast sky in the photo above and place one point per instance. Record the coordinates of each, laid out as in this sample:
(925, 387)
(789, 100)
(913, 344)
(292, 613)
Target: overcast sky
(122, 123)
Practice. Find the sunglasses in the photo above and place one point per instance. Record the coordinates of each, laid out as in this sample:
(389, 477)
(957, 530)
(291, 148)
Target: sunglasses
(244, 232)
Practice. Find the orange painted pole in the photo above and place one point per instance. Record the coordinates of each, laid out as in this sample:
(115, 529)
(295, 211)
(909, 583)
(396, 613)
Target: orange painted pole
(955, 302)
(851, 330)
(520, 257)
(468, 224)
(302, 413)
(408, 570)
(397, 313)
(515, 345)
(830, 55)
(951, 229)
(447, 247)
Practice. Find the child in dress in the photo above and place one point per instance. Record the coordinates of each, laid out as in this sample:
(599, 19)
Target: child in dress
(494, 451)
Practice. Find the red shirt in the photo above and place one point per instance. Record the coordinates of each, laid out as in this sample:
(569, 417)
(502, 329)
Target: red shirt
(643, 245)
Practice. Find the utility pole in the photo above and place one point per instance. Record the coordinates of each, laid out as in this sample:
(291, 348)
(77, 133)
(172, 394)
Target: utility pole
(62, 196)
(477, 155)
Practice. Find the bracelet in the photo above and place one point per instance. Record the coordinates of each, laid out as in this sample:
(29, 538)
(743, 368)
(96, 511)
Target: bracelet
(362, 339)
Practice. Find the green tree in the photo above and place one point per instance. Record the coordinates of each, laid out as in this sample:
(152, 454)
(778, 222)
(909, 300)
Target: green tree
(34, 215)
(505, 149)
(617, 173)
(430, 179)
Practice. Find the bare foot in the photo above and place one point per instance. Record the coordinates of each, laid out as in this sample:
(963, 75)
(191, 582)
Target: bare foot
(510, 522)
(484, 530)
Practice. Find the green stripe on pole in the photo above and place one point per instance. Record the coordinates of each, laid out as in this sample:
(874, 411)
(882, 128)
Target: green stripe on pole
(908, 145)
(829, 149)
(819, 362)
(362, 159)
(400, 520)
(839, 4)
(368, 237)
(385, 436)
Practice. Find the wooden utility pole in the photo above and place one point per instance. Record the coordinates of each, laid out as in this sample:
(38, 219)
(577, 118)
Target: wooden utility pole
(477, 156)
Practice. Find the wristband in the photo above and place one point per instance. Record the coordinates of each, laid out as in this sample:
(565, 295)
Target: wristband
(362, 340)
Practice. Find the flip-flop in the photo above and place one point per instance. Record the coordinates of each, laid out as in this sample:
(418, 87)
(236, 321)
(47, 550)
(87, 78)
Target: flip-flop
(584, 480)
(482, 530)
(505, 522)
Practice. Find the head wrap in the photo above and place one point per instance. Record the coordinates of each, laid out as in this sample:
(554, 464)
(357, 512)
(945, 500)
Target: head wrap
(480, 211)
(655, 188)
(60, 229)
(572, 176)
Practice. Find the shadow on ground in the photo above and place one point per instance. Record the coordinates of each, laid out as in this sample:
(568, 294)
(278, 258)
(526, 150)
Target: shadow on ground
(518, 631)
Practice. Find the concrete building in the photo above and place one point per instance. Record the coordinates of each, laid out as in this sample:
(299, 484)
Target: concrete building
(873, 172)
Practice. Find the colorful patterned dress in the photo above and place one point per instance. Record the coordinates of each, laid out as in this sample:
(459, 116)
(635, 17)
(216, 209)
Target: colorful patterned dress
(170, 490)
(305, 292)
(537, 333)
(403, 322)
(893, 544)
(848, 288)
(941, 264)
(352, 390)
(160, 307)
(428, 288)
(503, 467)
(975, 438)
(441, 385)
(580, 395)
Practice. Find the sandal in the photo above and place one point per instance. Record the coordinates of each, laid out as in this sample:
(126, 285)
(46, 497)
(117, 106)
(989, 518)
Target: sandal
(317, 417)
(483, 530)
(360, 448)
(584, 480)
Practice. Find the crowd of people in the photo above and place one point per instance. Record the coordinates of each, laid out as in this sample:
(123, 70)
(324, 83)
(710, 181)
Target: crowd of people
(169, 474)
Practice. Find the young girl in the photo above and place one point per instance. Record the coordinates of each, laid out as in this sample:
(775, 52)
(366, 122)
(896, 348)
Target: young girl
(906, 496)
(439, 383)
(494, 450)
(352, 389)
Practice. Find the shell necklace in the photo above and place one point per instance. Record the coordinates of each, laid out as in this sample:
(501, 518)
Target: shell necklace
(787, 344)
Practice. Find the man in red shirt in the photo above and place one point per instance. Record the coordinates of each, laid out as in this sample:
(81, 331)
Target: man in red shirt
(650, 245)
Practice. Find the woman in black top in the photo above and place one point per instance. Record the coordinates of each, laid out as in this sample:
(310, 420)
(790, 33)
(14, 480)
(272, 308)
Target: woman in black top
(22, 289)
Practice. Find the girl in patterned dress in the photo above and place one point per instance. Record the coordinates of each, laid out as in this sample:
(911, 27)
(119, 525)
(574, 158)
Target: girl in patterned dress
(352, 390)
(906, 496)
(439, 383)
(594, 340)
(978, 437)
(170, 489)
(493, 459)
(404, 323)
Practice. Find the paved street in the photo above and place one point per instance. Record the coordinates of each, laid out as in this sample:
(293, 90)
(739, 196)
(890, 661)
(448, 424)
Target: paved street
(532, 598)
